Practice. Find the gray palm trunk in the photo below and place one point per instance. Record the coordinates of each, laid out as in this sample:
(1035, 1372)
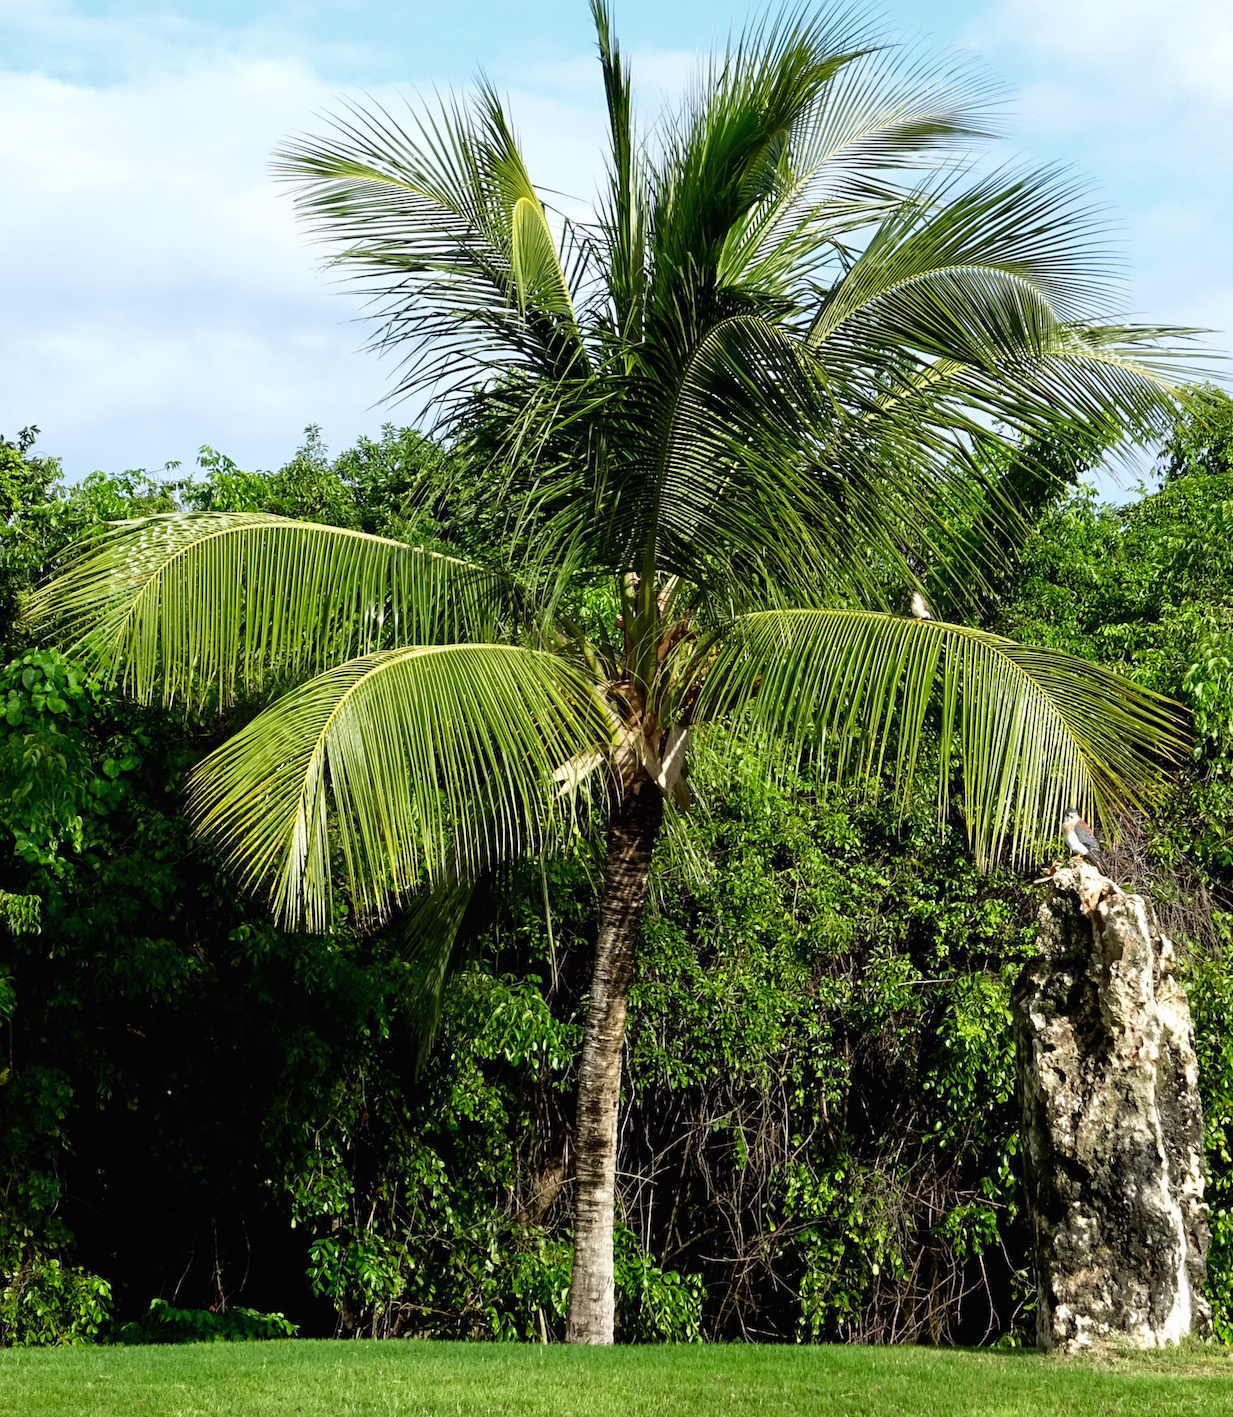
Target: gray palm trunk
(627, 867)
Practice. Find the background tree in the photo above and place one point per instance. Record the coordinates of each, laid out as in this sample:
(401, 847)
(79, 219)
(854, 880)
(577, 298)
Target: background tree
(817, 1137)
(733, 417)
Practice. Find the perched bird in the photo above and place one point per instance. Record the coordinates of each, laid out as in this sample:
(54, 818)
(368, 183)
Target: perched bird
(1081, 838)
(920, 606)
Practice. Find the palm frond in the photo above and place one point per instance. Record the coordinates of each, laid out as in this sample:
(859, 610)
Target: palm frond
(1084, 374)
(624, 217)
(415, 768)
(724, 154)
(436, 943)
(949, 254)
(822, 481)
(210, 607)
(851, 160)
(437, 217)
(737, 477)
(1036, 730)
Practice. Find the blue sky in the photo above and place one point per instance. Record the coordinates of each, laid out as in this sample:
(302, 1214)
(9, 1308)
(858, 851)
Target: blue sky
(154, 291)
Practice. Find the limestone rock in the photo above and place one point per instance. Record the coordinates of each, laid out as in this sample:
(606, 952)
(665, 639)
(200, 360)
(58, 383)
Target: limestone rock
(1112, 1124)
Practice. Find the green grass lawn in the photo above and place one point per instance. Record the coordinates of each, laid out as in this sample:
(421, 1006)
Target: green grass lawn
(319, 1379)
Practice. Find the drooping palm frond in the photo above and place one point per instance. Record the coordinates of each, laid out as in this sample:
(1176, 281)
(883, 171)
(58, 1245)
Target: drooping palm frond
(948, 242)
(1095, 372)
(990, 304)
(416, 767)
(435, 943)
(208, 607)
(1036, 730)
(1113, 384)
(737, 483)
(437, 218)
(958, 316)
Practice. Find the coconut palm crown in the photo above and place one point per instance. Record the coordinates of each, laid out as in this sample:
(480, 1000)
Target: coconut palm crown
(749, 396)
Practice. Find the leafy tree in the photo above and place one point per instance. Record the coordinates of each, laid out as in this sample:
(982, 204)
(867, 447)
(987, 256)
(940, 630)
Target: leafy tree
(133, 975)
(1201, 438)
(731, 418)
(1144, 588)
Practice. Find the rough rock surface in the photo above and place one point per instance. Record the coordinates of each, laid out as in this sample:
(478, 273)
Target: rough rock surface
(1112, 1124)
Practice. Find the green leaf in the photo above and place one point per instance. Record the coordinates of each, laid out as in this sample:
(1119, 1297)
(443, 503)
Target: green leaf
(1036, 730)
(211, 607)
(417, 767)
(436, 215)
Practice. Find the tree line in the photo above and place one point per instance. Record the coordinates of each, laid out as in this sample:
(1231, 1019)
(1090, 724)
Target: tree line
(819, 1140)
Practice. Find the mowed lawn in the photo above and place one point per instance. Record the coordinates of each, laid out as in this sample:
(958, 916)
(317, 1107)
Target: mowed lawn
(321, 1379)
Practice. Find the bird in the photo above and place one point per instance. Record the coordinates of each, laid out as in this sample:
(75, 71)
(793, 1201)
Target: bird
(1081, 838)
(920, 607)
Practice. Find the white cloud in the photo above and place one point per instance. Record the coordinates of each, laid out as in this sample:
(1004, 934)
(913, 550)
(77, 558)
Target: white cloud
(1152, 54)
(157, 292)
(156, 185)
(1139, 95)
(155, 283)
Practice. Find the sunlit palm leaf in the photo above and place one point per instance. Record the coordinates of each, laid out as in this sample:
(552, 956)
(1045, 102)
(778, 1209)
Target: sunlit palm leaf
(437, 217)
(415, 767)
(1032, 229)
(1036, 730)
(875, 123)
(209, 607)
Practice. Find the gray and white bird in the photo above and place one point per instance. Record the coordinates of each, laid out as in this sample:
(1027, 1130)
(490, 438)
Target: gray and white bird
(1081, 838)
(920, 607)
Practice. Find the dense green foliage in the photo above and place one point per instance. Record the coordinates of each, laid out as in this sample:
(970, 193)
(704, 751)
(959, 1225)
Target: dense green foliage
(1148, 588)
(134, 983)
(820, 1131)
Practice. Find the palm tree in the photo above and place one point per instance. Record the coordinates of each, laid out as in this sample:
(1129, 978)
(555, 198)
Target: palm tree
(751, 398)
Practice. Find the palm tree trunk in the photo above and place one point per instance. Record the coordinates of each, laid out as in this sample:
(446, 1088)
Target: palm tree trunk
(627, 868)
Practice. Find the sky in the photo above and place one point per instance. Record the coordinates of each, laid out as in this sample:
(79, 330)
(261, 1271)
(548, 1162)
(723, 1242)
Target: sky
(156, 294)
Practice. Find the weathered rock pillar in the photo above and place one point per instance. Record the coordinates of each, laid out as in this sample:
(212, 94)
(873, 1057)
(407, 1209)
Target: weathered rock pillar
(1112, 1124)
